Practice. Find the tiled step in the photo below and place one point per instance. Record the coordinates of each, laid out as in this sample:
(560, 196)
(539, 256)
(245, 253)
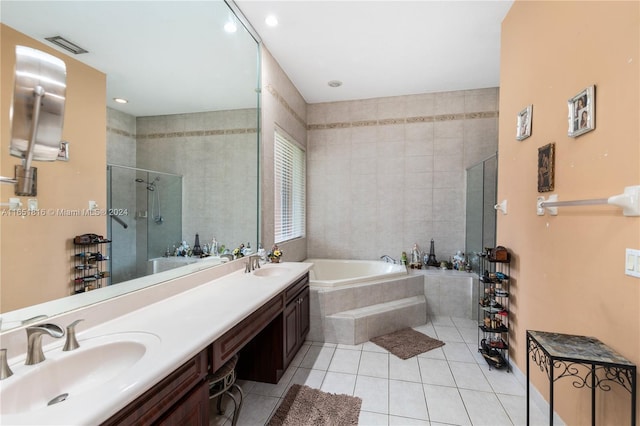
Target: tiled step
(356, 296)
(357, 326)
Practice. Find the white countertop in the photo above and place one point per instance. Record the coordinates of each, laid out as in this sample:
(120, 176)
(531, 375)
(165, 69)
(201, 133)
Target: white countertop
(185, 324)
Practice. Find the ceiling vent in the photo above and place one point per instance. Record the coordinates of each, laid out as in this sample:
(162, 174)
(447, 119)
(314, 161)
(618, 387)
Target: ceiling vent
(66, 45)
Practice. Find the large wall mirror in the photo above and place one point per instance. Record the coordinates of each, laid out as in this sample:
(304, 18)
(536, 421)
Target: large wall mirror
(180, 157)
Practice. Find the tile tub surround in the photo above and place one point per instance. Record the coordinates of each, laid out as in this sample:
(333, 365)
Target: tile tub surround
(353, 314)
(450, 293)
(335, 317)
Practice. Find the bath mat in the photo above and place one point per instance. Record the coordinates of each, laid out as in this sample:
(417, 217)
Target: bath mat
(407, 343)
(303, 406)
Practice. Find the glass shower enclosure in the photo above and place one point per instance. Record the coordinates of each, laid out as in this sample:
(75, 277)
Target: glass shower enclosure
(145, 218)
(482, 181)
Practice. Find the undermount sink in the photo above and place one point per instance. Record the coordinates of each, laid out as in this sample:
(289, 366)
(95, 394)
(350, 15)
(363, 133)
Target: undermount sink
(271, 271)
(100, 361)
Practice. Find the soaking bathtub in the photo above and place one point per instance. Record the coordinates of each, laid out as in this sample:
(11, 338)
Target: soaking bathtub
(337, 272)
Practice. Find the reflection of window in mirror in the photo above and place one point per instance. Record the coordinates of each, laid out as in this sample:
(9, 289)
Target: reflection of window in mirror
(290, 192)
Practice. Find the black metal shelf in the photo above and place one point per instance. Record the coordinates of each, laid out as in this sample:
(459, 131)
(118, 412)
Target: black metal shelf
(89, 270)
(493, 315)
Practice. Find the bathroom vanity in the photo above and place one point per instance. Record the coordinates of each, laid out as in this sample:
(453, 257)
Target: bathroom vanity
(262, 315)
(267, 340)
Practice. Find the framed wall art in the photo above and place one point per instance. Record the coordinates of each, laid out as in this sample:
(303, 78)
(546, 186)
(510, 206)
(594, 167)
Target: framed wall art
(524, 123)
(63, 154)
(546, 163)
(582, 112)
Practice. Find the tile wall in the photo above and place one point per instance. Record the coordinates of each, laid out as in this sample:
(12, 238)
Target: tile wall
(216, 154)
(386, 173)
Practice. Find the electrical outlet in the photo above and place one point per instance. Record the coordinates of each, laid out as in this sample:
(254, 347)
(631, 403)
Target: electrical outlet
(632, 263)
(32, 204)
(93, 205)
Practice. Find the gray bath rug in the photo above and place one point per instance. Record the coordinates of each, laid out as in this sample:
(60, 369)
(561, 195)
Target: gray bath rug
(407, 343)
(304, 406)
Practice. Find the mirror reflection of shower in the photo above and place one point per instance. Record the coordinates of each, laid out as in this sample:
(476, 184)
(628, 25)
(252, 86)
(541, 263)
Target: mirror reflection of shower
(155, 199)
(151, 198)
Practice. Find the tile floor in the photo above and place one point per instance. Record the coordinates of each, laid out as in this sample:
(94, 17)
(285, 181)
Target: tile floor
(451, 385)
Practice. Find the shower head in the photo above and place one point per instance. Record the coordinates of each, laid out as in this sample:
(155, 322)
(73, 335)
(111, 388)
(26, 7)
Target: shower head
(151, 186)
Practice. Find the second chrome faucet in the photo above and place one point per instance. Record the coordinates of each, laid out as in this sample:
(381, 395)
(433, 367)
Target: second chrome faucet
(35, 354)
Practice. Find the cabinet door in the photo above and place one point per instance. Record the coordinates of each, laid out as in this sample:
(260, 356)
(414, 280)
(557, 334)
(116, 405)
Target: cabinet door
(290, 331)
(303, 311)
(193, 410)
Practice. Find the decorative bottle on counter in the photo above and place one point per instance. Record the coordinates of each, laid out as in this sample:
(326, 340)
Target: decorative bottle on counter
(197, 250)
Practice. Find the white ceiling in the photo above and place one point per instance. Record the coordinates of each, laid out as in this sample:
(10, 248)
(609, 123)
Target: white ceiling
(382, 48)
(170, 56)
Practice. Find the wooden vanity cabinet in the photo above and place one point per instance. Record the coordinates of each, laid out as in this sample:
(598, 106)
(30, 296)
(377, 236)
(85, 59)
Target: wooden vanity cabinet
(267, 355)
(180, 398)
(296, 324)
(267, 340)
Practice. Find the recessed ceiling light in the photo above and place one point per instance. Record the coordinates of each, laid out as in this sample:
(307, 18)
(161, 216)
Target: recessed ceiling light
(121, 100)
(271, 21)
(230, 27)
(335, 83)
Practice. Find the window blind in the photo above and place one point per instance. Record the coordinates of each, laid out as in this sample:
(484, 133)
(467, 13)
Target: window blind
(289, 189)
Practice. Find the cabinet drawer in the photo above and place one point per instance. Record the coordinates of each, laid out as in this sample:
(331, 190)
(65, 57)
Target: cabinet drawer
(233, 340)
(157, 401)
(292, 291)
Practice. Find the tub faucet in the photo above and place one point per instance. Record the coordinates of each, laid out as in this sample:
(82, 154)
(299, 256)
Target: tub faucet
(34, 341)
(388, 259)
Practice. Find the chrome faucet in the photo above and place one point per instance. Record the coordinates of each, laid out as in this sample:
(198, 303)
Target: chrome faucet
(5, 370)
(388, 258)
(72, 342)
(34, 341)
(253, 263)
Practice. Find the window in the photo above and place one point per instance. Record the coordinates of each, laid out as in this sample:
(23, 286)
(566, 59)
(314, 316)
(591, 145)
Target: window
(289, 189)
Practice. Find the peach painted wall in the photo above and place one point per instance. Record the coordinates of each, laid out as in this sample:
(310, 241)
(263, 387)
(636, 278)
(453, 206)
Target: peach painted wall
(568, 273)
(36, 251)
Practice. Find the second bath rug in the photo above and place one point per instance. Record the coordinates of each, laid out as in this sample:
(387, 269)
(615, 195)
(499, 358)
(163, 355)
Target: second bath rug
(407, 343)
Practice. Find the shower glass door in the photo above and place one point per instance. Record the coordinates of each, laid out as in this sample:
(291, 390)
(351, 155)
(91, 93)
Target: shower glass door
(482, 182)
(146, 218)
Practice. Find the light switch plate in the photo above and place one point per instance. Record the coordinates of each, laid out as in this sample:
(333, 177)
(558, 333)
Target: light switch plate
(14, 203)
(632, 263)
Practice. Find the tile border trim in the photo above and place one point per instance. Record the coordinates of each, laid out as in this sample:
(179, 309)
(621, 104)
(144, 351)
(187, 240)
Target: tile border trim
(274, 92)
(407, 120)
(191, 133)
